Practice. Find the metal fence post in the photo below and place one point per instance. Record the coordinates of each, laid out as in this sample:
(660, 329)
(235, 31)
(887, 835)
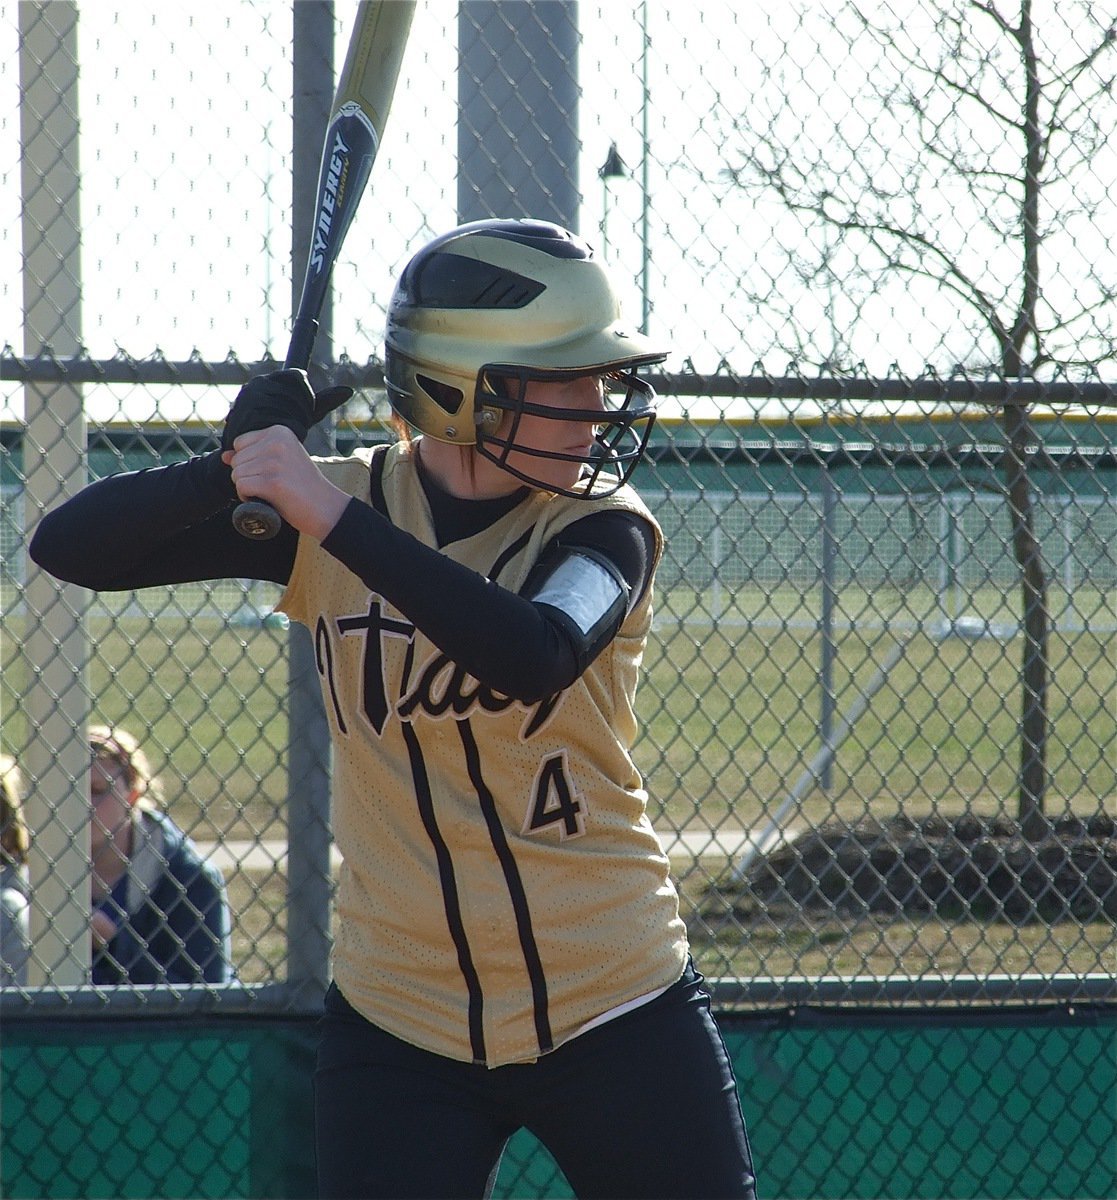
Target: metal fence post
(518, 110)
(57, 703)
(308, 771)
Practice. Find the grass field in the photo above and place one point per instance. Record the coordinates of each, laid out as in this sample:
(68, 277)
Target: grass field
(914, 946)
(730, 717)
(731, 712)
(732, 720)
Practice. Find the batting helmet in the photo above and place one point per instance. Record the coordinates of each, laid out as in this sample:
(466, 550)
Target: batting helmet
(491, 305)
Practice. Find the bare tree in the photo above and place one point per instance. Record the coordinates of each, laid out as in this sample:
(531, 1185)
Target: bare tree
(978, 176)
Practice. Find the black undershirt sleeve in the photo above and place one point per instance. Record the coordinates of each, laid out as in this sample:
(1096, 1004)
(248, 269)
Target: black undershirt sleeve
(502, 639)
(163, 525)
(171, 524)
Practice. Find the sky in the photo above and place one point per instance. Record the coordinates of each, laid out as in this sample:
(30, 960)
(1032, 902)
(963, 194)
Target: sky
(185, 115)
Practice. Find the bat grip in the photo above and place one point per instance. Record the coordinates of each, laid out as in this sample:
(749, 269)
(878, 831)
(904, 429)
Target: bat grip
(255, 519)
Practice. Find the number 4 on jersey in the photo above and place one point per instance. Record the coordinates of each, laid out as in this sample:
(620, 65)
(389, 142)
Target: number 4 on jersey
(555, 801)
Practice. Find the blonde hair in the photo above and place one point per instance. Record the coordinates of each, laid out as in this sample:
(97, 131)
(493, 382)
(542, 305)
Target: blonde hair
(15, 839)
(123, 750)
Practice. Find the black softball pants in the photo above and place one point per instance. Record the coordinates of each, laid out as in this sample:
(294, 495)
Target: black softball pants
(644, 1106)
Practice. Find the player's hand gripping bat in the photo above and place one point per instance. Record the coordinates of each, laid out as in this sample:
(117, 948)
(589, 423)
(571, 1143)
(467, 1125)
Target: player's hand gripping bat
(356, 127)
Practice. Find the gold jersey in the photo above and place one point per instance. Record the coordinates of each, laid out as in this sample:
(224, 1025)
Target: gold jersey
(501, 885)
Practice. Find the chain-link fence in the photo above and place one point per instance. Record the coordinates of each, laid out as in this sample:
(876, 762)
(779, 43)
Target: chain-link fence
(880, 700)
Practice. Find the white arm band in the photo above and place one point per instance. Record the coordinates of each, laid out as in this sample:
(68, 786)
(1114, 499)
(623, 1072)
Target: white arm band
(585, 588)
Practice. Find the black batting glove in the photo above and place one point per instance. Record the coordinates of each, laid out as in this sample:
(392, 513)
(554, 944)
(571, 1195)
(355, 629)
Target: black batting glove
(281, 398)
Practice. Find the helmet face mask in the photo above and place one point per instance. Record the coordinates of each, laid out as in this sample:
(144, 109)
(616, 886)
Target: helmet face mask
(484, 311)
(621, 429)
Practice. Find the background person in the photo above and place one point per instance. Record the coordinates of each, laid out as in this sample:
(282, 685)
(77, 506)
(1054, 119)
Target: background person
(160, 912)
(510, 952)
(15, 891)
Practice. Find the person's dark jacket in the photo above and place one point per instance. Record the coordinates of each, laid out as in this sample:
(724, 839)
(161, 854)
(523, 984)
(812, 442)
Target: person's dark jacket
(177, 927)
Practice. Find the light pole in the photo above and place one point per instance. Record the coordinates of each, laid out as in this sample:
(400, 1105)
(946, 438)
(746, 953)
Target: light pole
(645, 295)
(612, 168)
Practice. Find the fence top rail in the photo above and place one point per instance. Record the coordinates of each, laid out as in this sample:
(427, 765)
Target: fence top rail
(826, 991)
(47, 367)
(157, 1000)
(916, 990)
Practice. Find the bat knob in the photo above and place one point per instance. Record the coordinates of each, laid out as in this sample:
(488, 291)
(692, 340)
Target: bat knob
(257, 520)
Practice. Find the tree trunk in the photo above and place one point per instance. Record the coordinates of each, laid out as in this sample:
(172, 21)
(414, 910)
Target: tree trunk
(1033, 715)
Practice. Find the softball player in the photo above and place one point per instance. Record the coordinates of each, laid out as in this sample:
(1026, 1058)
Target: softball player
(509, 949)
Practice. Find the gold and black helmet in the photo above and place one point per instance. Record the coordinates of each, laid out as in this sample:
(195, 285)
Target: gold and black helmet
(485, 308)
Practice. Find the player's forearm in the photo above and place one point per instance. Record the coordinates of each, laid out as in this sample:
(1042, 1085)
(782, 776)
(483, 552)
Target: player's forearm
(158, 526)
